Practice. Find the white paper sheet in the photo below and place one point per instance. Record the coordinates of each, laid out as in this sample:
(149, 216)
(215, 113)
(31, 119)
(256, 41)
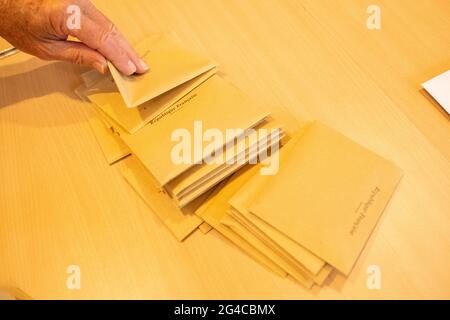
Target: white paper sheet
(439, 89)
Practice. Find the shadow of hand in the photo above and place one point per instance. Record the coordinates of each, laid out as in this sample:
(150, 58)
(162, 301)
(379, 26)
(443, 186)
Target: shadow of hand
(38, 91)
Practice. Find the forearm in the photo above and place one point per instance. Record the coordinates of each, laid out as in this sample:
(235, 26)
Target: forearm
(40, 27)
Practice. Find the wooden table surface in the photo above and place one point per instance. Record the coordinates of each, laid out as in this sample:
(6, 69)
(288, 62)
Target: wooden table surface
(61, 204)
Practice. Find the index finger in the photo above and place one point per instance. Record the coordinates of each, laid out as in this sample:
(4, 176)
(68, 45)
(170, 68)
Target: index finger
(99, 33)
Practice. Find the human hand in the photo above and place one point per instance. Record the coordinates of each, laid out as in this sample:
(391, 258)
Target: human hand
(40, 28)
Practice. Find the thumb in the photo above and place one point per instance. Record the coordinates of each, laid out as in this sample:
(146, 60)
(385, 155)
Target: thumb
(78, 53)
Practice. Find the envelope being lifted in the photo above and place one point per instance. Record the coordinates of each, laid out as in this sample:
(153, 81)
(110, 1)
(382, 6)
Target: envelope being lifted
(328, 195)
(170, 65)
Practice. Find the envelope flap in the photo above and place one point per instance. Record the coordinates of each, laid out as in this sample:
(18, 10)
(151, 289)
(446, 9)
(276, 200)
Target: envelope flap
(170, 65)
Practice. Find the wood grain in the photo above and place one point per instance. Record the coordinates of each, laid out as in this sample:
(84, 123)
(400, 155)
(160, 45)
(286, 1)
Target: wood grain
(61, 204)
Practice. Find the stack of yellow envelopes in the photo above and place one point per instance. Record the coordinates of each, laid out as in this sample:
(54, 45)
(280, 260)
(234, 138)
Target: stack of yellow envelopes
(203, 155)
(315, 214)
(187, 128)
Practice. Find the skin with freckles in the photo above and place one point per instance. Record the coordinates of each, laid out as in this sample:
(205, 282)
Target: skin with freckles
(40, 28)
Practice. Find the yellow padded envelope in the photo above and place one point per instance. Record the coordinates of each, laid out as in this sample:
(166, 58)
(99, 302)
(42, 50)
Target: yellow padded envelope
(328, 195)
(180, 222)
(217, 103)
(170, 63)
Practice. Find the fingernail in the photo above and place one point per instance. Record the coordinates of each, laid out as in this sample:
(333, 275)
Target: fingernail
(131, 68)
(100, 67)
(143, 65)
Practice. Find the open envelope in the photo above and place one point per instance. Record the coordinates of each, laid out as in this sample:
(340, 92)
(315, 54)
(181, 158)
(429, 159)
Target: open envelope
(170, 63)
(328, 195)
(105, 95)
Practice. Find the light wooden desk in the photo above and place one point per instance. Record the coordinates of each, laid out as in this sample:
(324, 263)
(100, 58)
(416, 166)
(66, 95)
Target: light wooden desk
(61, 204)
